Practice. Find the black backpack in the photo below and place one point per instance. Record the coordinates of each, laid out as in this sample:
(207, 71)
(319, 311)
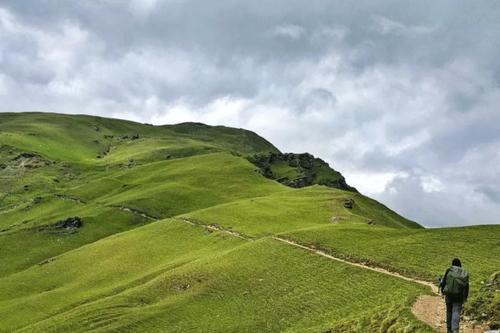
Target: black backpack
(456, 280)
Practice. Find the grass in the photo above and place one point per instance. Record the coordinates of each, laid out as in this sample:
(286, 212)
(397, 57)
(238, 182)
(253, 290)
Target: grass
(423, 253)
(296, 209)
(282, 170)
(134, 266)
(176, 278)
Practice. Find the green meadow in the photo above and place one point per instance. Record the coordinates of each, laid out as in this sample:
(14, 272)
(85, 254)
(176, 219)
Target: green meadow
(147, 256)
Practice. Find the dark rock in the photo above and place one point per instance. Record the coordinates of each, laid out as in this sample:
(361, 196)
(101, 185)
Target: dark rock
(104, 152)
(69, 223)
(371, 222)
(26, 187)
(37, 200)
(46, 261)
(25, 155)
(135, 137)
(348, 203)
(309, 170)
(29, 160)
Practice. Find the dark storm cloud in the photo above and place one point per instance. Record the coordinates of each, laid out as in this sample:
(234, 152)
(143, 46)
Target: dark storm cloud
(401, 97)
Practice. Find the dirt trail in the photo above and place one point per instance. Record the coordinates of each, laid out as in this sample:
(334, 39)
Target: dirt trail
(136, 212)
(214, 227)
(432, 311)
(429, 309)
(375, 269)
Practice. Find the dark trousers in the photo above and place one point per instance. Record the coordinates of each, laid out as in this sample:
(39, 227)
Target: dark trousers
(453, 310)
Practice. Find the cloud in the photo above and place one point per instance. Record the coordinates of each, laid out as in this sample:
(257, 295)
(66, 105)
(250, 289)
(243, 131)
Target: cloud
(289, 30)
(402, 98)
(142, 7)
(386, 26)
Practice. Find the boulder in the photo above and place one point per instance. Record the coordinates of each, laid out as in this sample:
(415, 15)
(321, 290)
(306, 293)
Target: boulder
(29, 160)
(69, 223)
(348, 203)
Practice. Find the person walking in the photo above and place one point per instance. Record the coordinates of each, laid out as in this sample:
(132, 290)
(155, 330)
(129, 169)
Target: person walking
(455, 287)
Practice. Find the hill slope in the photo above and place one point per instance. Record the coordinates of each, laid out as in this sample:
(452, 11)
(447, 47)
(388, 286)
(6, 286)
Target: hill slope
(113, 226)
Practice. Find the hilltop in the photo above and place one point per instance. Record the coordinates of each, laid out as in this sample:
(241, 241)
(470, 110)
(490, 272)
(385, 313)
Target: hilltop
(109, 225)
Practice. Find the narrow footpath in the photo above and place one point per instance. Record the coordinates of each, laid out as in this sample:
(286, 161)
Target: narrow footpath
(375, 269)
(432, 311)
(429, 309)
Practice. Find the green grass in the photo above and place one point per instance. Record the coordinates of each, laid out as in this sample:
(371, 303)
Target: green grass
(283, 170)
(296, 209)
(423, 253)
(160, 189)
(82, 138)
(174, 277)
(134, 266)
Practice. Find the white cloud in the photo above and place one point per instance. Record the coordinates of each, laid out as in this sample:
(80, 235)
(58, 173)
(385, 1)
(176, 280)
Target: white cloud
(371, 183)
(291, 31)
(142, 7)
(405, 105)
(386, 26)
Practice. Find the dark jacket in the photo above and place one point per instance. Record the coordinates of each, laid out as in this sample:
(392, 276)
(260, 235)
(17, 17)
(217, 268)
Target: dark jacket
(449, 299)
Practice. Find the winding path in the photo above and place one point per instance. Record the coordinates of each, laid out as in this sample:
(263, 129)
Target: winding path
(371, 268)
(429, 309)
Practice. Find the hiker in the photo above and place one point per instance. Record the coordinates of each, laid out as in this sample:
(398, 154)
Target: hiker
(455, 286)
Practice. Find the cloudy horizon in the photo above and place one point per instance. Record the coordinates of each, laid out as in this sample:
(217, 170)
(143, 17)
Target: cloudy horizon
(402, 98)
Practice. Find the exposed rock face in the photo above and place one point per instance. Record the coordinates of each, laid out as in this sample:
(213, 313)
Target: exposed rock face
(29, 161)
(299, 170)
(103, 153)
(70, 223)
(349, 203)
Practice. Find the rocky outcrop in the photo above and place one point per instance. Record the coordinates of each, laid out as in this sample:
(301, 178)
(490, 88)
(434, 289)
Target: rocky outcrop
(299, 170)
(69, 223)
(348, 203)
(29, 160)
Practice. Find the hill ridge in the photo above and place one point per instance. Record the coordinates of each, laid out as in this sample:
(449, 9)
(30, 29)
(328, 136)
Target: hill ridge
(99, 216)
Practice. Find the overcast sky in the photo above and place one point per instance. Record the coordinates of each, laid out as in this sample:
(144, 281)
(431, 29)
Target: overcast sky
(402, 97)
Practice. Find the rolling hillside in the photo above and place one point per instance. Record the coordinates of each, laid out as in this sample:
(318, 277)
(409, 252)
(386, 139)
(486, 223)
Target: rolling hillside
(113, 226)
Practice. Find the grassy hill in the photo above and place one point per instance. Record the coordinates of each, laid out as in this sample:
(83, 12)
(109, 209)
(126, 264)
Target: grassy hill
(114, 226)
